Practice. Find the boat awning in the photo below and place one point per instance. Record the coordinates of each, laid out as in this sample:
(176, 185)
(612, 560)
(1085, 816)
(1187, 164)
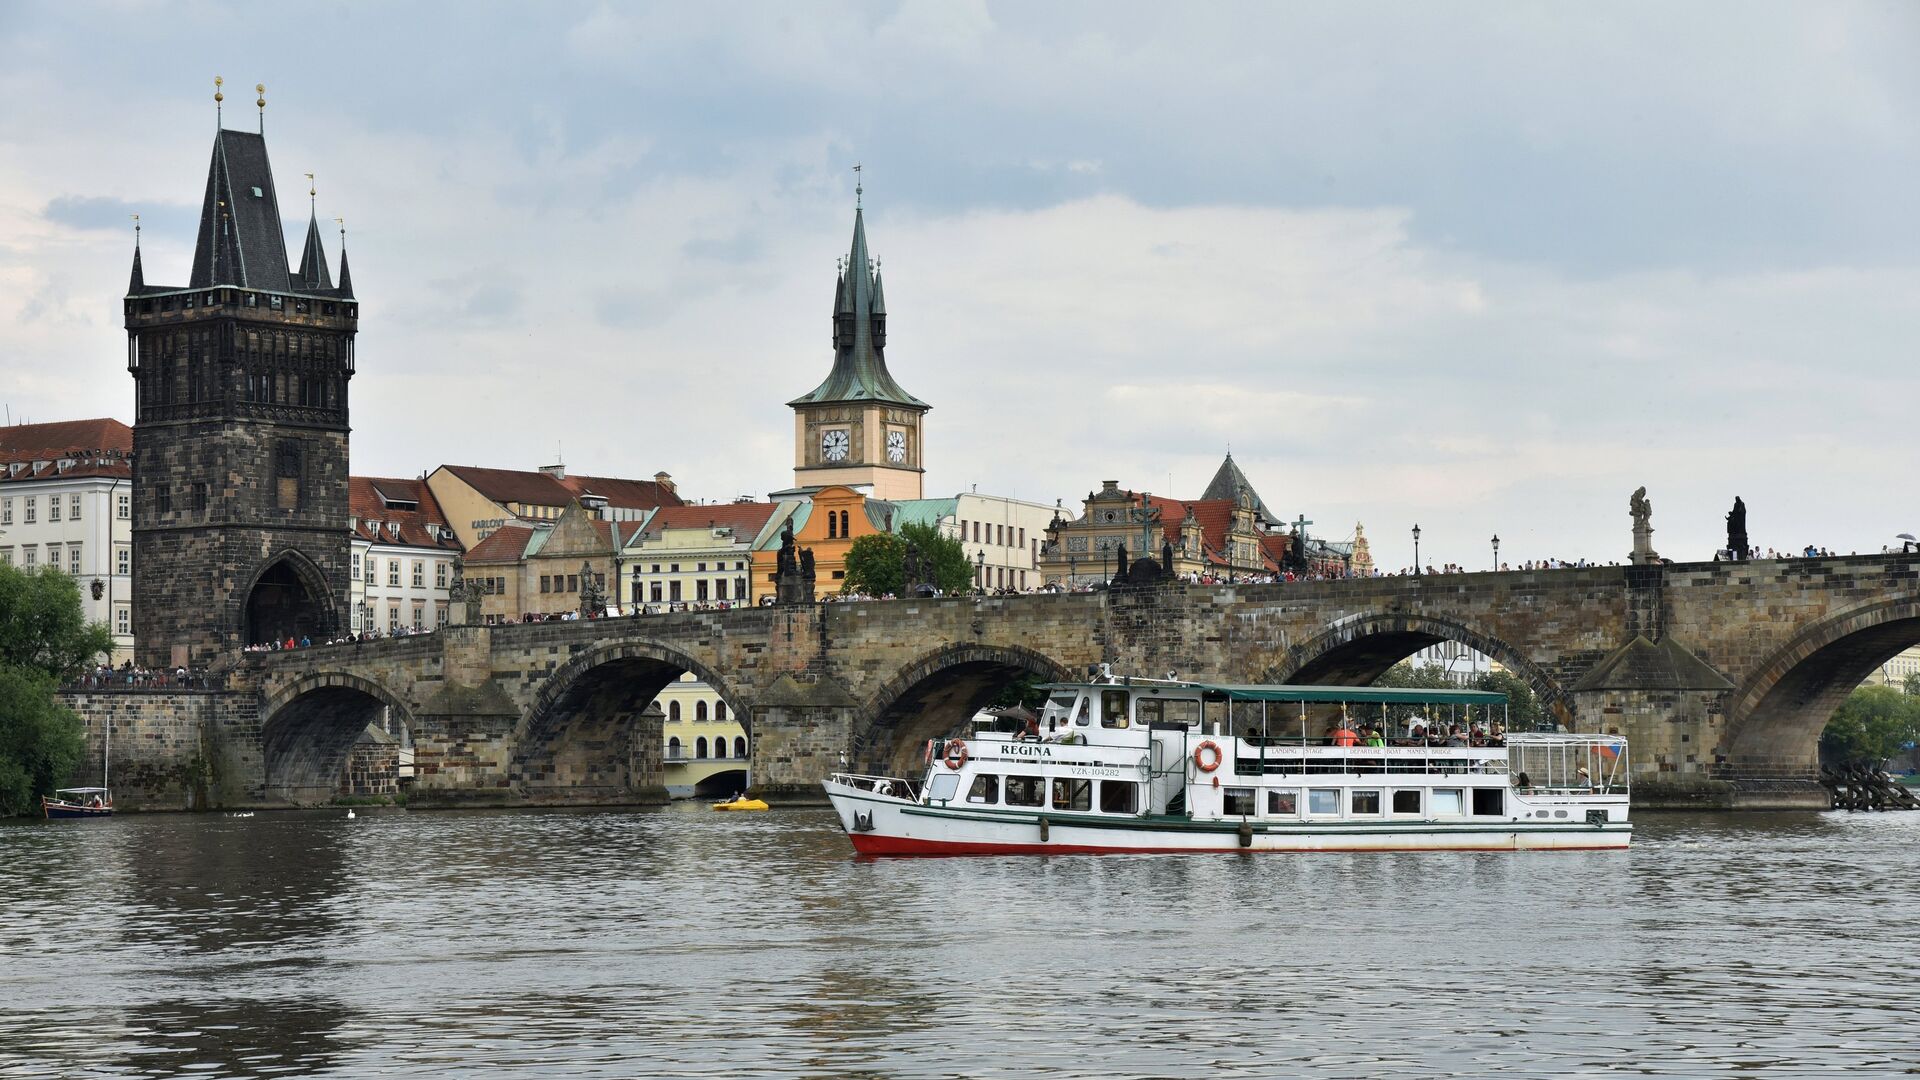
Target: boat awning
(1352, 695)
(80, 791)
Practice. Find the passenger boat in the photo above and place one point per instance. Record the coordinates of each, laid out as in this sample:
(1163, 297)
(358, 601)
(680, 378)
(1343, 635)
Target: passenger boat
(78, 802)
(1141, 765)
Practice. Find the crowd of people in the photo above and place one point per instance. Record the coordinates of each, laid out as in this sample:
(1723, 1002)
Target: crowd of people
(306, 642)
(128, 676)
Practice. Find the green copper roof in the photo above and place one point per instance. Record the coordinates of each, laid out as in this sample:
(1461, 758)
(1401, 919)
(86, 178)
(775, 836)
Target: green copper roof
(922, 511)
(859, 334)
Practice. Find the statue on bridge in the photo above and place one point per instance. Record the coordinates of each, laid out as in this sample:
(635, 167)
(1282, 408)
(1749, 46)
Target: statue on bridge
(793, 570)
(593, 596)
(1737, 531)
(1642, 510)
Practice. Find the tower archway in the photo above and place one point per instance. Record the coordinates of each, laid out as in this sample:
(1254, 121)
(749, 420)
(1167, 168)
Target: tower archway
(288, 599)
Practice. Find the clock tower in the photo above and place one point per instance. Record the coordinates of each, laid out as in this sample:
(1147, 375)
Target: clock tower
(859, 428)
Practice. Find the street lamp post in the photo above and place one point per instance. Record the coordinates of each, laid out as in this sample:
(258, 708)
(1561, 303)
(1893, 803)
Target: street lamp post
(980, 569)
(1496, 551)
(1416, 548)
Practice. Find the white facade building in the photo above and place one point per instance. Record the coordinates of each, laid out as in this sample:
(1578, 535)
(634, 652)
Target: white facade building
(1002, 536)
(66, 501)
(403, 552)
(689, 555)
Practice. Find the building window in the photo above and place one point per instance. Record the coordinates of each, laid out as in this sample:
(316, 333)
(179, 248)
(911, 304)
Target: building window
(700, 747)
(73, 508)
(573, 583)
(73, 559)
(439, 575)
(419, 615)
(700, 568)
(699, 712)
(6, 511)
(843, 524)
(546, 583)
(370, 571)
(200, 498)
(393, 615)
(6, 556)
(356, 569)
(393, 573)
(740, 588)
(720, 589)
(673, 712)
(833, 526)
(53, 556)
(740, 747)
(32, 512)
(122, 620)
(53, 508)
(653, 592)
(673, 591)
(28, 555)
(700, 590)
(419, 574)
(719, 712)
(126, 507)
(673, 749)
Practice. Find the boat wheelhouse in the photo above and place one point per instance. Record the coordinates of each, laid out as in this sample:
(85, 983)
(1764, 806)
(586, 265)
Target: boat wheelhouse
(1142, 765)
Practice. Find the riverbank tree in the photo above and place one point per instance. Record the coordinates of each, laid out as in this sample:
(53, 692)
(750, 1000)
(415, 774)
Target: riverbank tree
(1874, 723)
(44, 639)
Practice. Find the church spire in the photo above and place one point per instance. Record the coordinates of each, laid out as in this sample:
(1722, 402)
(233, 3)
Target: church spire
(346, 276)
(313, 257)
(859, 334)
(139, 280)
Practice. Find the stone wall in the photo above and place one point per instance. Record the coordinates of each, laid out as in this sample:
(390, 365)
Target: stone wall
(172, 750)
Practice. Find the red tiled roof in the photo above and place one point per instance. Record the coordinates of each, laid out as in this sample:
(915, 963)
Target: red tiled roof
(373, 514)
(1214, 515)
(626, 494)
(745, 519)
(539, 489)
(100, 447)
(508, 544)
(22, 442)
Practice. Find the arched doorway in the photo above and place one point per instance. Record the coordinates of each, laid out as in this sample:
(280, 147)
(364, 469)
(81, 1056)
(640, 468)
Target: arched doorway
(287, 600)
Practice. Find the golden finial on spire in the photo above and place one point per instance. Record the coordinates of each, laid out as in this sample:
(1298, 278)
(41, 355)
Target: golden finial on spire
(342, 222)
(136, 230)
(261, 89)
(218, 97)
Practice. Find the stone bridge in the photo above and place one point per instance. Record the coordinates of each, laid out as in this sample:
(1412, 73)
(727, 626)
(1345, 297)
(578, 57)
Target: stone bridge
(1722, 676)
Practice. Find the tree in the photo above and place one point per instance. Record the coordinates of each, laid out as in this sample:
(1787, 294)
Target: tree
(1911, 685)
(1524, 711)
(1873, 724)
(875, 565)
(44, 638)
(952, 573)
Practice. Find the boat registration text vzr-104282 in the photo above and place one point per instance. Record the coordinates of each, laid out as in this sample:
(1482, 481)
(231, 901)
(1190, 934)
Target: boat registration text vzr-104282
(1143, 765)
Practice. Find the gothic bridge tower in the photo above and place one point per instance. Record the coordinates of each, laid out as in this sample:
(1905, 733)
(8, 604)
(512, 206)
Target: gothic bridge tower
(240, 427)
(859, 428)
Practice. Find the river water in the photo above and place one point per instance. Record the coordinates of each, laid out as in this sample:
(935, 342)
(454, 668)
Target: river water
(681, 942)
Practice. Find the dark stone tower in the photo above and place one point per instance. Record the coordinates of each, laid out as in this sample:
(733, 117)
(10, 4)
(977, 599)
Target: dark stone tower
(240, 429)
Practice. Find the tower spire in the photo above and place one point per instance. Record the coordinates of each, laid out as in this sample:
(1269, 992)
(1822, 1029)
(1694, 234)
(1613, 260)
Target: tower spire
(261, 89)
(346, 276)
(139, 280)
(218, 97)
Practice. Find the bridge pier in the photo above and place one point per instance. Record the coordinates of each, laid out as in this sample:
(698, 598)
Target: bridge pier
(802, 733)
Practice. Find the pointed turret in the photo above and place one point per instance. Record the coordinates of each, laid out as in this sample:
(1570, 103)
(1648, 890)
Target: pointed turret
(346, 276)
(240, 242)
(859, 335)
(313, 260)
(138, 281)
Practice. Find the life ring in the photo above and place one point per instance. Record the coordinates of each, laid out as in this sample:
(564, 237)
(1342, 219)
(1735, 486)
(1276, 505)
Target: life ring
(1207, 756)
(956, 755)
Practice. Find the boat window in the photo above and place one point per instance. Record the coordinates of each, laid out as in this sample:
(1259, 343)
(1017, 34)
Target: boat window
(1238, 802)
(944, 787)
(1449, 802)
(1183, 711)
(1149, 711)
(1489, 802)
(1084, 716)
(985, 789)
(1113, 708)
(1025, 791)
(1323, 801)
(1119, 797)
(1559, 813)
(1072, 794)
(1366, 801)
(1284, 803)
(1406, 802)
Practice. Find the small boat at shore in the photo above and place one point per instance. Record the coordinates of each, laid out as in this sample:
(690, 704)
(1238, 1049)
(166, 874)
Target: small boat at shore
(741, 802)
(1143, 765)
(78, 802)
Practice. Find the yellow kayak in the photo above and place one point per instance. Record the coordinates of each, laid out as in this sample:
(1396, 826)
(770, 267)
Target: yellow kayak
(741, 803)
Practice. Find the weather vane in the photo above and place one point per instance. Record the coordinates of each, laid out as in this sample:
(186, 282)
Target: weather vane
(218, 97)
(856, 185)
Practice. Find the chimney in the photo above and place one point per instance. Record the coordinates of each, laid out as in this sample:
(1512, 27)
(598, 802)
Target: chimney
(665, 481)
(557, 471)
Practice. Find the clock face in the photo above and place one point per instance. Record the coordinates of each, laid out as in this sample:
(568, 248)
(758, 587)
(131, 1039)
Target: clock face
(834, 445)
(896, 446)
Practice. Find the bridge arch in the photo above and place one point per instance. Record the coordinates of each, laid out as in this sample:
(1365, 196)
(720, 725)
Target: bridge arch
(589, 736)
(307, 728)
(1358, 649)
(1775, 717)
(934, 695)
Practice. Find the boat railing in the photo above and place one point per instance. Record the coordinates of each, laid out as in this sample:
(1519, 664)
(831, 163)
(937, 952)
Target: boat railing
(1310, 761)
(892, 786)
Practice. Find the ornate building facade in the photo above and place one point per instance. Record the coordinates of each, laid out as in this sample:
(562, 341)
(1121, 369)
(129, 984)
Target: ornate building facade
(240, 428)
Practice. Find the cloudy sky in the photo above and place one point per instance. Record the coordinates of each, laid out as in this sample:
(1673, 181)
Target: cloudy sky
(1482, 267)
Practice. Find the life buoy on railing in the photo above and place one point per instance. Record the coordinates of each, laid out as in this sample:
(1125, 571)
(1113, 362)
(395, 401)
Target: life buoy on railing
(956, 755)
(1207, 756)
